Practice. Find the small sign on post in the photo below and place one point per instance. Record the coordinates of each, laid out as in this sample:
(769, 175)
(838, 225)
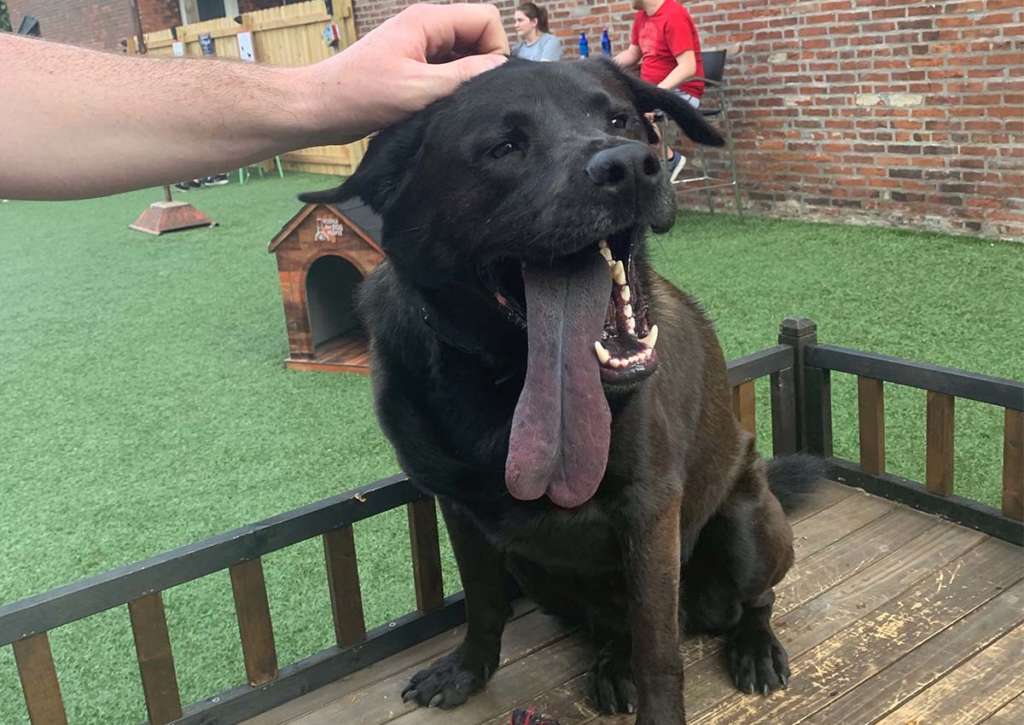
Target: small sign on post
(246, 50)
(331, 34)
(206, 43)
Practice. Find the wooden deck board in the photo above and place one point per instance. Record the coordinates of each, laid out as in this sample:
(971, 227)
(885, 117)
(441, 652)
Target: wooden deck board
(1012, 713)
(973, 691)
(888, 614)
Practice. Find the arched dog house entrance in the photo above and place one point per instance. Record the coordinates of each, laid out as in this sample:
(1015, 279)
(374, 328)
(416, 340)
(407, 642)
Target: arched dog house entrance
(323, 254)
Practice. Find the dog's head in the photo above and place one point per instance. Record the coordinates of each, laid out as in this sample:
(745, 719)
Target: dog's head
(535, 183)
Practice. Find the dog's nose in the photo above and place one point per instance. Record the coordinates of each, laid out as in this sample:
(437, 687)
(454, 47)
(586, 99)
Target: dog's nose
(622, 164)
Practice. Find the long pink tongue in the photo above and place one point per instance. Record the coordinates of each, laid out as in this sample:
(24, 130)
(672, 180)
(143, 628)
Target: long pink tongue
(562, 426)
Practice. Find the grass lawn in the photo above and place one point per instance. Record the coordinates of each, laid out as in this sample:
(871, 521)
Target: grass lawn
(145, 406)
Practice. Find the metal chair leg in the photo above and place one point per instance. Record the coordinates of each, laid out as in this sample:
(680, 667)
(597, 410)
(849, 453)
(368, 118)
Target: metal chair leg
(707, 179)
(731, 152)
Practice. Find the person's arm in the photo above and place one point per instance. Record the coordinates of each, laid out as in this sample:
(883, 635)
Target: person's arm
(78, 123)
(629, 57)
(686, 66)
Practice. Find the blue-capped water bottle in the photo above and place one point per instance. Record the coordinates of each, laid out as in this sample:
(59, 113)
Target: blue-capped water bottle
(584, 46)
(606, 43)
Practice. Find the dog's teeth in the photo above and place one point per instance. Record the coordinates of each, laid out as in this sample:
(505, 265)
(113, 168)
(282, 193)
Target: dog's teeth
(619, 273)
(607, 254)
(627, 310)
(616, 362)
(624, 293)
(602, 354)
(652, 337)
(631, 325)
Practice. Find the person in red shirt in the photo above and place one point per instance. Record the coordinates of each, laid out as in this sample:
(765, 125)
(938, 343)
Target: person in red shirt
(665, 43)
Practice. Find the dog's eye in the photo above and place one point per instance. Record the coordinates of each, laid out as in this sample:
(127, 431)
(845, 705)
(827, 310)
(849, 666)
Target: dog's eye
(620, 120)
(503, 149)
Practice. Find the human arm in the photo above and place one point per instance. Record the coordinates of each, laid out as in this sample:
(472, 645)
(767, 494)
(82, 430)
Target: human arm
(629, 57)
(686, 66)
(78, 123)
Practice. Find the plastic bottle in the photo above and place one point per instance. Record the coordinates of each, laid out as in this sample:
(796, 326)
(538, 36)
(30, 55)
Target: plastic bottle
(584, 46)
(606, 43)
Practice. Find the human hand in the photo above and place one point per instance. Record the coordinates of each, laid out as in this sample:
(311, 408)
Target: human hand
(422, 54)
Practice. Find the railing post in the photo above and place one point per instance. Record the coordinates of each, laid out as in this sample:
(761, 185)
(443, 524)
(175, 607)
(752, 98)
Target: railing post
(813, 388)
(784, 412)
(744, 406)
(426, 555)
(871, 424)
(343, 582)
(156, 660)
(39, 680)
(252, 610)
(939, 443)
(1013, 465)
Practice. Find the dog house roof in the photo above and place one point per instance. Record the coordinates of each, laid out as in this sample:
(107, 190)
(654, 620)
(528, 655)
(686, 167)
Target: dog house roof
(363, 220)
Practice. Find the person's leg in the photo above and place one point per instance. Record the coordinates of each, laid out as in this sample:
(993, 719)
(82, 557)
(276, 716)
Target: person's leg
(676, 159)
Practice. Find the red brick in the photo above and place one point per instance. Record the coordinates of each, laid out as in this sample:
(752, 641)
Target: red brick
(799, 132)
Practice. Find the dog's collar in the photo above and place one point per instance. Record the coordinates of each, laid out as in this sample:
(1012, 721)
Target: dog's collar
(447, 335)
(444, 332)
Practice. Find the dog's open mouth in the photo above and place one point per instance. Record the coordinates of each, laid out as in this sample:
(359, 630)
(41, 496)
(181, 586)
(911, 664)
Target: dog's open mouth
(587, 326)
(625, 347)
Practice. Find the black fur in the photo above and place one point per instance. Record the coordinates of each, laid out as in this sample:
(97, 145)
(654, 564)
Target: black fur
(793, 478)
(684, 498)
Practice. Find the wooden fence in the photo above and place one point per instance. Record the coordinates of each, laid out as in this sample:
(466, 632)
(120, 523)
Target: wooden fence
(290, 35)
(799, 370)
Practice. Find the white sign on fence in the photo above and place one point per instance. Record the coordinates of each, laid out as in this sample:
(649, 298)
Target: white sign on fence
(246, 51)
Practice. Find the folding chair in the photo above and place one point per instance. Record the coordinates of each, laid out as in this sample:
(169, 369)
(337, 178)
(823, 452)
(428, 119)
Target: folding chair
(715, 93)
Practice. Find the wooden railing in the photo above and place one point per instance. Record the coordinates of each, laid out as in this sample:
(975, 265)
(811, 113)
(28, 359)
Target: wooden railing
(943, 386)
(26, 623)
(799, 371)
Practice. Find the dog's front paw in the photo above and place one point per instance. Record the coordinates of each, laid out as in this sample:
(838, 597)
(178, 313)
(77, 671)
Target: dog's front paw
(449, 681)
(611, 681)
(757, 660)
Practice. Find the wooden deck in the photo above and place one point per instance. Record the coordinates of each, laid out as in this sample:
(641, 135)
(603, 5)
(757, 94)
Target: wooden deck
(890, 616)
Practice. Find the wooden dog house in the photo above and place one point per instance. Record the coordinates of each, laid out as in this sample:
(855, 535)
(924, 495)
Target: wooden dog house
(323, 253)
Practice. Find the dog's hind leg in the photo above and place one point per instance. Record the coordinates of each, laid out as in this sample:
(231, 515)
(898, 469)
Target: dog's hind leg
(742, 552)
(450, 681)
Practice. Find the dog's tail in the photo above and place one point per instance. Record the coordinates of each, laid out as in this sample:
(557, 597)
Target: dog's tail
(794, 478)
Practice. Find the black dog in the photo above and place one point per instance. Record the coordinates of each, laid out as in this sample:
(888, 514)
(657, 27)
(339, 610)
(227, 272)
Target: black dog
(513, 333)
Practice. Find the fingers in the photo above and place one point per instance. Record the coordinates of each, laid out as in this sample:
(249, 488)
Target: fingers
(461, 28)
(460, 71)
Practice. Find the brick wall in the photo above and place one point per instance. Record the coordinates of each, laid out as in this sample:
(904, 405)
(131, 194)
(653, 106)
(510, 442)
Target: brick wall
(909, 113)
(99, 24)
(159, 14)
(896, 112)
(371, 13)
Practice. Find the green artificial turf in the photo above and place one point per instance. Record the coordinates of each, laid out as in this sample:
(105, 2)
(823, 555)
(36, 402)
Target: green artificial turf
(144, 404)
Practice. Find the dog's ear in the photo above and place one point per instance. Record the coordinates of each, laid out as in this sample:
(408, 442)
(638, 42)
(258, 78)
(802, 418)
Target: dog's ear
(382, 173)
(650, 98)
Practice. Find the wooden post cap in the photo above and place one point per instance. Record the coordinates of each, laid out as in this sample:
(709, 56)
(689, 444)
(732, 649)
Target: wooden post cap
(798, 327)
